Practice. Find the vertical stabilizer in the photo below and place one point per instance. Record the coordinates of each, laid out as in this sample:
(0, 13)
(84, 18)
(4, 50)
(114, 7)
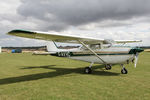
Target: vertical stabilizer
(52, 47)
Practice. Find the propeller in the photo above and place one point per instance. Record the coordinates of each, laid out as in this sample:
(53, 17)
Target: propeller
(136, 59)
(136, 52)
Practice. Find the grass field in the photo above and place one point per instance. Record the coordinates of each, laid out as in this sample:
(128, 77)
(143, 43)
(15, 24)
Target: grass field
(27, 77)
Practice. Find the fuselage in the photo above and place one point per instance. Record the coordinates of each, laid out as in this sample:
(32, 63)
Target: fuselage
(111, 55)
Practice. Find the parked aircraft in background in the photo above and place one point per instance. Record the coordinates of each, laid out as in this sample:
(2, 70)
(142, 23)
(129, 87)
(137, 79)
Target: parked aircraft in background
(93, 50)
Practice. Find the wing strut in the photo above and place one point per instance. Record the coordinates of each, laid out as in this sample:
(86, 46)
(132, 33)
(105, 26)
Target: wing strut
(92, 51)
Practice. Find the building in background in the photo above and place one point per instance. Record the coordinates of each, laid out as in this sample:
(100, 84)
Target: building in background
(16, 51)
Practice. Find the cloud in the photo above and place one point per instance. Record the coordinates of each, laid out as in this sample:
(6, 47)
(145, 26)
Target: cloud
(64, 13)
(109, 19)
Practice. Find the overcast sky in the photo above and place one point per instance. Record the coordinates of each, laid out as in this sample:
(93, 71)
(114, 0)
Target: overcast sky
(108, 19)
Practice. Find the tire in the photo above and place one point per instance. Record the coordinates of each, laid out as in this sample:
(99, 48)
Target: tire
(88, 70)
(124, 71)
(108, 67)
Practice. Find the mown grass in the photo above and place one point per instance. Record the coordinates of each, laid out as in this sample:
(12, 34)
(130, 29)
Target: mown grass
(28, 77)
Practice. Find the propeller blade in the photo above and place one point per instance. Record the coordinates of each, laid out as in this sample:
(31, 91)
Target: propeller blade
(136, 59)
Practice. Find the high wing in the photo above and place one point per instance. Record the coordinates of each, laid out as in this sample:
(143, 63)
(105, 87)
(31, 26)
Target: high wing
(63, 38)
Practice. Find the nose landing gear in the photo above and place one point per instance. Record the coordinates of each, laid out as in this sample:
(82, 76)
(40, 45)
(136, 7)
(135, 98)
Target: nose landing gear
(124, 70)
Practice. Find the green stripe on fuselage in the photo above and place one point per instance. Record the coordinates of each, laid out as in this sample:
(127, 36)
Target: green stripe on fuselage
(71, 54)
(99, 54)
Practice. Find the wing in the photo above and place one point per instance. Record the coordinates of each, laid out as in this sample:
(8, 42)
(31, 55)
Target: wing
(61, 37)
(54, 37)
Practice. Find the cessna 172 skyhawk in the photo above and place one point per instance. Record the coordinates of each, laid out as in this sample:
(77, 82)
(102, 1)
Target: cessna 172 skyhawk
(93, 50)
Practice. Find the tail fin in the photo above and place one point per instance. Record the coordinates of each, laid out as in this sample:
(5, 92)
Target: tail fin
(52, 47)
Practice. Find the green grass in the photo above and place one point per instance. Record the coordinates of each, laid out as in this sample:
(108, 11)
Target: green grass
(27, 77)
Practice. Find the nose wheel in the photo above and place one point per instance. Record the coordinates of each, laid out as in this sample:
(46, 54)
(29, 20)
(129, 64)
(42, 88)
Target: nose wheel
(124, 70)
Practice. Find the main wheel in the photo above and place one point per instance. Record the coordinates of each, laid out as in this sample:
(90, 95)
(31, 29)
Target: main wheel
(88, 70)
(108, 67)
(124, 71)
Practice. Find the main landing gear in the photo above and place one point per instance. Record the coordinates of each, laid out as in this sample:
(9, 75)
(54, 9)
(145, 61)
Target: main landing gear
(124, 70)
(88, 70)
(108, 67)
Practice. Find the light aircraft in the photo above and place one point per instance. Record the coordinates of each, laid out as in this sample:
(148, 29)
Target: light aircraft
(93, 50)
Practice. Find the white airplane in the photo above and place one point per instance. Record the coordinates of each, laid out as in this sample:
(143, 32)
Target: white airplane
(93, 50)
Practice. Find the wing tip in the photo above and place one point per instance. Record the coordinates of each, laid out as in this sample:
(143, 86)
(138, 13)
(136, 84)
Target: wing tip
(19, 31)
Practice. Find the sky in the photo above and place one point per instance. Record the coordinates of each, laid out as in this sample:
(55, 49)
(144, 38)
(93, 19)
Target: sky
(104, 19)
